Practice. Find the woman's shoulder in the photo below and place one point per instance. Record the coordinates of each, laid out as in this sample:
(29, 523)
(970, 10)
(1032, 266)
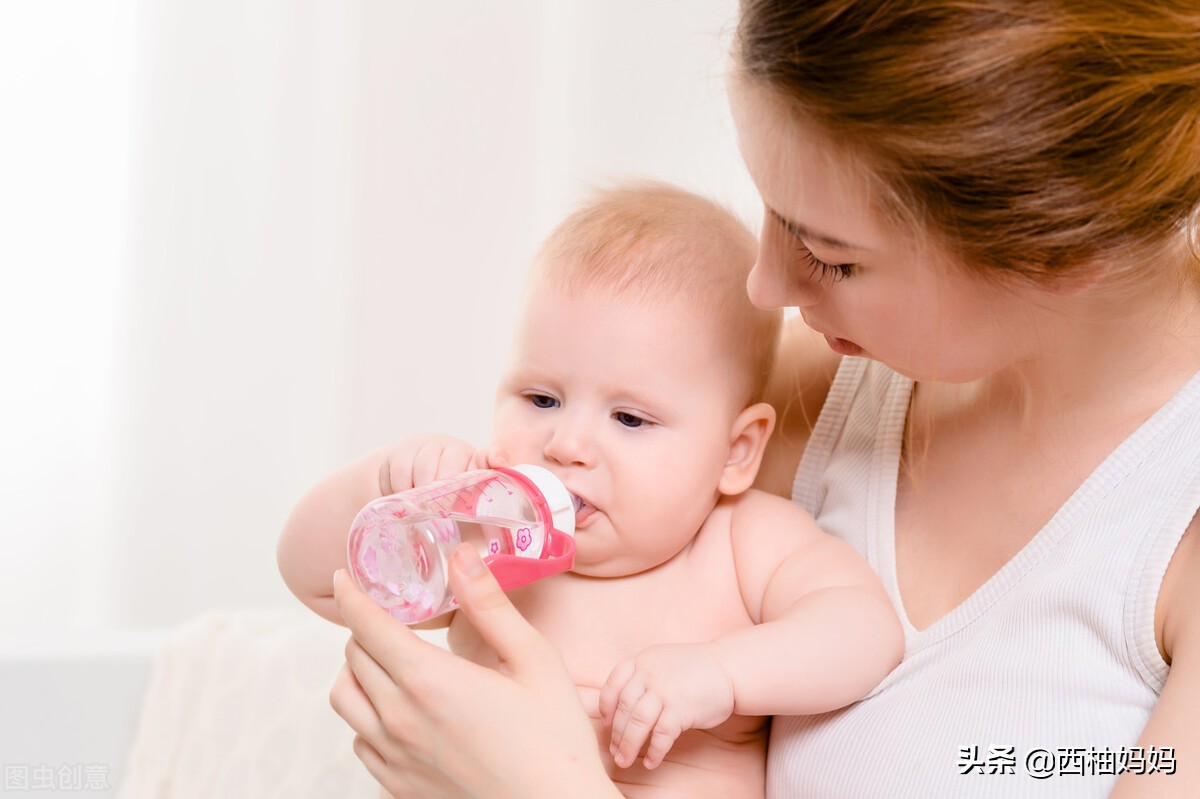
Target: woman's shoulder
(1177, 624)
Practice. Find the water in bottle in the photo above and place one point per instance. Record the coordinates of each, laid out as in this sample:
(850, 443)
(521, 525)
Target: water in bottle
(520, 520)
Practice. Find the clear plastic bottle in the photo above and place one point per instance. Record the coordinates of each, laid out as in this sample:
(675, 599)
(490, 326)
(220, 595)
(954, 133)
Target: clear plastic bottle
(521, 520)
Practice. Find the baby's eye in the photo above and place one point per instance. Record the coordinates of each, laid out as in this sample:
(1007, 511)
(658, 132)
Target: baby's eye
(629, 420)
(542, 401)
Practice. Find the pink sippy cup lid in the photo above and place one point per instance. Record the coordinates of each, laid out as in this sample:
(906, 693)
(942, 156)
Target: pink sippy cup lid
(553, 503)
(558, 499)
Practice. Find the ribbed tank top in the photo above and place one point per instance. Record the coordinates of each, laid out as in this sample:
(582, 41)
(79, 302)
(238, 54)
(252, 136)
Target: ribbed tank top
(1055, 655)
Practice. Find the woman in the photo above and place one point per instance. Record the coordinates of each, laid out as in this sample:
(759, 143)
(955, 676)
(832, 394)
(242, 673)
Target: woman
(990, 212)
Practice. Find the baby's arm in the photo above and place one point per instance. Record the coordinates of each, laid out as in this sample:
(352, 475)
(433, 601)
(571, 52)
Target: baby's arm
(825, 633)
(313, 543)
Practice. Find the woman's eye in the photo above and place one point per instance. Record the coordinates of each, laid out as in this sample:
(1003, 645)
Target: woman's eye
(822, 270)
(816, 267)
(543, 401)
(629, 420)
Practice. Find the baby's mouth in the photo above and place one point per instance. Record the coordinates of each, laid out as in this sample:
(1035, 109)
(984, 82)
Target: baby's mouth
(582, 508)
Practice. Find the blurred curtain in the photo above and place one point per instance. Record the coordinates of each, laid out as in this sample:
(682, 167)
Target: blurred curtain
(309, 237)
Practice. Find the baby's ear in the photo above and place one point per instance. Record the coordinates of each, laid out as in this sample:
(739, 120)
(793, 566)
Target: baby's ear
(747, 442)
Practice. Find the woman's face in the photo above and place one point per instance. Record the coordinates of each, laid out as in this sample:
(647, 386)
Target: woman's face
(871, 288)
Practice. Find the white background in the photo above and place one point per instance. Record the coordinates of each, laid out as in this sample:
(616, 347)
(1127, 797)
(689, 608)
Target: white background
(244, 241)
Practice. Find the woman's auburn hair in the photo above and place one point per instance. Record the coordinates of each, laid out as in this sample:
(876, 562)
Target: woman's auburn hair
(1026, 136)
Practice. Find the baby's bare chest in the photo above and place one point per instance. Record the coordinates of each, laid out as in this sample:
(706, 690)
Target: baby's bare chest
(596, 623)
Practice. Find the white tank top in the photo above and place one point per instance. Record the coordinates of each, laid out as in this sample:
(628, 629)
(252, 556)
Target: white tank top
(1050, 666)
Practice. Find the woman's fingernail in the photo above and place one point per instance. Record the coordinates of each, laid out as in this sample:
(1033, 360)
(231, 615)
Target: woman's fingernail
(338, 576)
(469, 562)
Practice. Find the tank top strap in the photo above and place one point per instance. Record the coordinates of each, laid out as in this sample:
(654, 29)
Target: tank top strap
(1173, 481)
(876, 396)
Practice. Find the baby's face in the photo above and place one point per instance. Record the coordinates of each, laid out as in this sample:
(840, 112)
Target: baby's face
(631, 405)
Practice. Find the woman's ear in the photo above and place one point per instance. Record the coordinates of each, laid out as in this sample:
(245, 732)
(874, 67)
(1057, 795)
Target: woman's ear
(747, 442)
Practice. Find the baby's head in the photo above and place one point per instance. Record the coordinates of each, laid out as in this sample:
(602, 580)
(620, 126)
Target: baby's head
(637, 371)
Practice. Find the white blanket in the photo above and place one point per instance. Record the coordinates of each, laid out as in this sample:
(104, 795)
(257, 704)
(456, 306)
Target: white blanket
(238, 706)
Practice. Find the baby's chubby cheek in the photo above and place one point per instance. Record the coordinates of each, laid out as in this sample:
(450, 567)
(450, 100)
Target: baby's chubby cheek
(515, 450)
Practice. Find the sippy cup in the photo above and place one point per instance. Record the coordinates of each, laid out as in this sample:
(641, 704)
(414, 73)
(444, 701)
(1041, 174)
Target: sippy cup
(521, 520)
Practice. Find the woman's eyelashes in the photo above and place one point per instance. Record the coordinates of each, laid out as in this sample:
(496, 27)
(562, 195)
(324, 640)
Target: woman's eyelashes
(817, 268)
(822, 270)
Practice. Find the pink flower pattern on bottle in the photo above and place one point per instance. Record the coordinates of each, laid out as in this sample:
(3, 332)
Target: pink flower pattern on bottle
(524, 539)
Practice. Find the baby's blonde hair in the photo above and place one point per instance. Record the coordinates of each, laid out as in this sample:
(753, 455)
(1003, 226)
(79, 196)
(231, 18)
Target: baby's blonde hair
(653, 242)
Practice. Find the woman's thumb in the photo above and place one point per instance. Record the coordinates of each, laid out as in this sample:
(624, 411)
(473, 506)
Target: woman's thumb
(490, 612)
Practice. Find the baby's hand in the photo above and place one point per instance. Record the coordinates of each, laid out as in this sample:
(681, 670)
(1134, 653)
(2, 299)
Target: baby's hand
(420, 460)
(666, 689)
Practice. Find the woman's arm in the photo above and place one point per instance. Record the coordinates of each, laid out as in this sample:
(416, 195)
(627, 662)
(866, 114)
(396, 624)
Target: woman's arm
(1172, 724)
(804, 370)
(432, 725)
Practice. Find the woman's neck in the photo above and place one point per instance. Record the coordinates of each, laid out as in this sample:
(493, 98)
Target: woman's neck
(1104, 358)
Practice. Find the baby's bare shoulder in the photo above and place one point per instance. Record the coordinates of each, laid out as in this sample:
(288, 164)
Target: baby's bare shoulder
(757, 527)
(758, 517)
(771, 537)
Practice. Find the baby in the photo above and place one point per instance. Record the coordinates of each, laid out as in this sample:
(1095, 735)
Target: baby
(697, 606)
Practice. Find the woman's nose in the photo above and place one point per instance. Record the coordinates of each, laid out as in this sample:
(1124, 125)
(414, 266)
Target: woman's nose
(769, 287)
(774, 283)
(568, 445)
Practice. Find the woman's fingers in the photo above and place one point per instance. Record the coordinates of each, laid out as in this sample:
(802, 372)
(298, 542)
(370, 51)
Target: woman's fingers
(385, 639)
(350, 701)
(430, 722)
(369, 756)
(385, 696)
(519, 646)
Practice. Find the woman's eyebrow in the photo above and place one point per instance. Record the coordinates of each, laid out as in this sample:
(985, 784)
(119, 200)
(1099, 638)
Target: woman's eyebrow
(801, 232)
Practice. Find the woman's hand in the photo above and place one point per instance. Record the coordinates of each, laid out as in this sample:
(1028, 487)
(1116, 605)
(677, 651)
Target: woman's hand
(431, 724)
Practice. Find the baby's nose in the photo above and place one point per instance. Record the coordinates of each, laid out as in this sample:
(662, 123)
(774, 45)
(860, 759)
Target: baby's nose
(568, 446)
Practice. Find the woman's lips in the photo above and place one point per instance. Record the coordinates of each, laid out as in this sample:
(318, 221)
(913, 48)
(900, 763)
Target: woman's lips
(841, 346)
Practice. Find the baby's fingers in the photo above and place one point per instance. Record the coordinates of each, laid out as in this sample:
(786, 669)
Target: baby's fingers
(610, 692)
(437, 459)
(666, 732)
(639, 721)
(420, 460)
(488, 458)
